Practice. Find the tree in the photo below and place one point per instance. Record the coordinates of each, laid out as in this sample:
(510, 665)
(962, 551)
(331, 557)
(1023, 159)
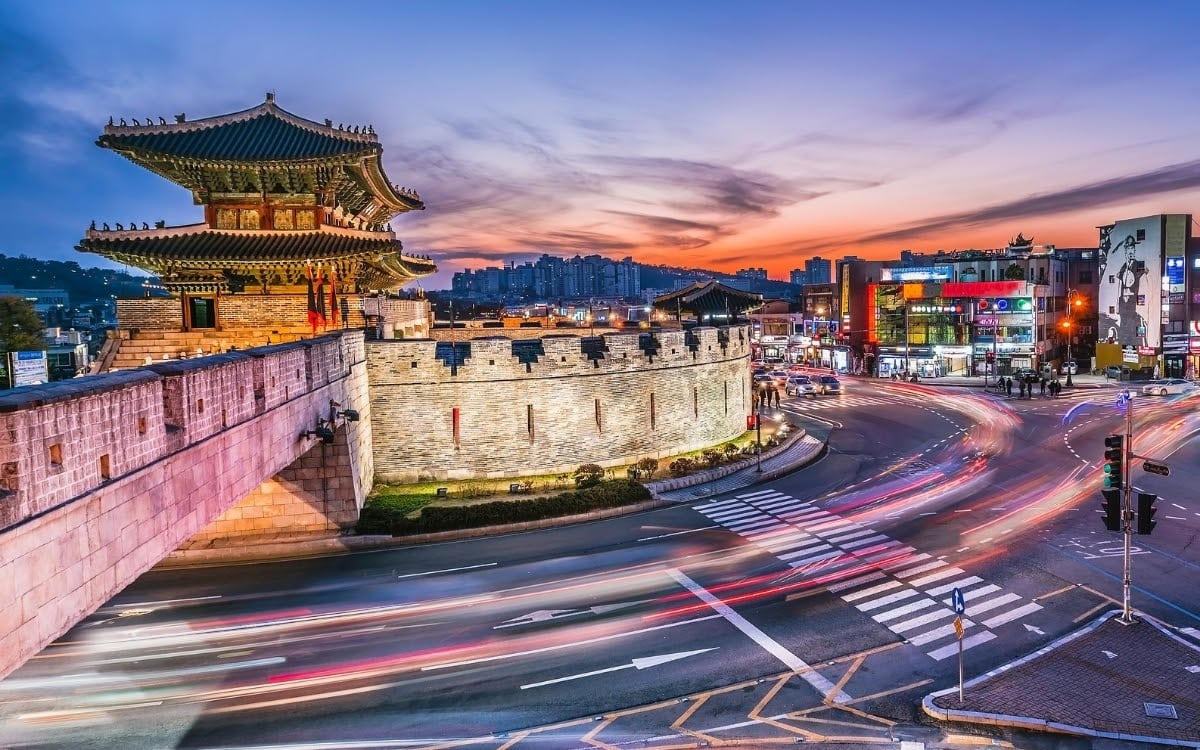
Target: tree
(20, 326)
(1014, 272)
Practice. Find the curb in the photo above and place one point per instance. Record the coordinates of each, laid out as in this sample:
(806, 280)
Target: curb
(1045, 725)
(345, 544)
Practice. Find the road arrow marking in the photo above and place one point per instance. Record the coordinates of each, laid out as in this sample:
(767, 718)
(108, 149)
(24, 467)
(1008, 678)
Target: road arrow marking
(638, 663)
(1109, 654)
(544, 615)
(1032, 629)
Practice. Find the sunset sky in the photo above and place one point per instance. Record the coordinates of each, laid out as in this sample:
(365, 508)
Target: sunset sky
(704, 134)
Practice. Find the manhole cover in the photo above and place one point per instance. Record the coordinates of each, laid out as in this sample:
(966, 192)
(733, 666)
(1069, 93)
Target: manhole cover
(1160, 710)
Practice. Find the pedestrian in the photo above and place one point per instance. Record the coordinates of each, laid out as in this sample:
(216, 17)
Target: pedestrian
(1008, 387)
(1021, 383)
(1042, 391)
(775, 396)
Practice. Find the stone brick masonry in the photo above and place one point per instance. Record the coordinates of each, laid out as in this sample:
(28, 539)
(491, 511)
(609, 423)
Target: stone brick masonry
(493, 416)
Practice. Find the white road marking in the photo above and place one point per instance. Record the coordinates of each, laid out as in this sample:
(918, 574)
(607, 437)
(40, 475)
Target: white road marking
(1011, 615)
(771, 646)
(559, 646)
(968, 642)
(446, 570)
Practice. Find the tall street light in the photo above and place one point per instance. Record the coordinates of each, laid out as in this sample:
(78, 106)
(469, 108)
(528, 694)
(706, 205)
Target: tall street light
(1069, 325)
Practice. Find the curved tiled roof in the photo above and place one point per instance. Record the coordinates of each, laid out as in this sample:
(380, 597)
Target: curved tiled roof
(375, 258)
(708, 296)
(259, 142)
(264, 133)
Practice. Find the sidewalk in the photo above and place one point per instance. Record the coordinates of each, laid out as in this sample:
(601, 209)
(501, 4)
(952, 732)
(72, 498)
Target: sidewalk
(1133, 683)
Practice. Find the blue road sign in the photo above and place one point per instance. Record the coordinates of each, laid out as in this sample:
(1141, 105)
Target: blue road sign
(958, 601)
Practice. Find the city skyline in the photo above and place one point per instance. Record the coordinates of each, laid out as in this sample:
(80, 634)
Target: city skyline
(684, 134)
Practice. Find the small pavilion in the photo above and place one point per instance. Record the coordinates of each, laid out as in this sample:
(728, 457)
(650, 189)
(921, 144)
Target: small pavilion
(710, 303)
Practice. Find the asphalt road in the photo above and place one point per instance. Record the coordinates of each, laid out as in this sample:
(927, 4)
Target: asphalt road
(815, 606)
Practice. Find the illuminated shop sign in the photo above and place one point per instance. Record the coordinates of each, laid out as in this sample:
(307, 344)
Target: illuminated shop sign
(1175, 268)
(929, 273)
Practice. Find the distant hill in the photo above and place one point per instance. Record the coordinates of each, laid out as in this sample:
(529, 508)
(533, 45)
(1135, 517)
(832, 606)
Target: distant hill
(81, 284)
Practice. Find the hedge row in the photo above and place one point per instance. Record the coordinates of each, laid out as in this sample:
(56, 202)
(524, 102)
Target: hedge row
(611, 494)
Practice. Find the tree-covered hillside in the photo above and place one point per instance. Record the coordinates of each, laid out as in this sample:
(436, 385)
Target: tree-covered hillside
(81, 284)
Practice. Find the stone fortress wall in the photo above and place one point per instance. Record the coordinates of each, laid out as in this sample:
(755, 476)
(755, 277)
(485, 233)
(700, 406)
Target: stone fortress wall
(103, 476)
(494, 406)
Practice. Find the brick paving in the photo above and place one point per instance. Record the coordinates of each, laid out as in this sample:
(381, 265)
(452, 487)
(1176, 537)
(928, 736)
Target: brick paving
(1095, 681)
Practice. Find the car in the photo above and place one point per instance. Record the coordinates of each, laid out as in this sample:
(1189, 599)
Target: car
(828, 384)
(1025, 373)
(1167, 386)
(800, 385)
(1115, 372)
(780, 376)
(1071, 368)
(763, 378)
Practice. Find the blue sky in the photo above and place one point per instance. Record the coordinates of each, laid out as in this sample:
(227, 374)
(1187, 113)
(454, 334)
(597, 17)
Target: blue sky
(718, 135)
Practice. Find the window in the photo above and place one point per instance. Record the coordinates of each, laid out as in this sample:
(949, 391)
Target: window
(56, 455)
(105, 469)
(652, 411)
(248, 218)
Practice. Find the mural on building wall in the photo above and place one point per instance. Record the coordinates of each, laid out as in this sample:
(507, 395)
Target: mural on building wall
(1129, 293)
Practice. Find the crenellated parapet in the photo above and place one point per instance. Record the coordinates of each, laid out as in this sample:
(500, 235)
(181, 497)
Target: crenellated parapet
(494, 406)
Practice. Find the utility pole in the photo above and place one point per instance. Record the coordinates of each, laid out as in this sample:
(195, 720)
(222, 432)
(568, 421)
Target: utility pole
(1127, 511)
(907, 340)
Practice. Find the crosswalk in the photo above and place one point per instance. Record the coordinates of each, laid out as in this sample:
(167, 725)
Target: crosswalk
(816, 403)
(906, 591)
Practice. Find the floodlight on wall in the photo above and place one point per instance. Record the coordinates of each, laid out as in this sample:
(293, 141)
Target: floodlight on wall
(351, 415)
(323, 431)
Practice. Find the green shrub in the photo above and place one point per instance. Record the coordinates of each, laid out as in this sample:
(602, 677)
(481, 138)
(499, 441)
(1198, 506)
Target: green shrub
(648, 467)
(610, 494)
(712, 456)
(588, 475)
(730, 450)
(681, 466)
(379, 513)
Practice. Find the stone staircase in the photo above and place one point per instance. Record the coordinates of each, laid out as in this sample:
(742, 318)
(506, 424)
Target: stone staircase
(127, 349)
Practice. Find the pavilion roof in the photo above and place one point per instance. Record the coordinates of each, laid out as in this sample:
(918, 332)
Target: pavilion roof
(199, 154)
(375, 260)
(708, 297)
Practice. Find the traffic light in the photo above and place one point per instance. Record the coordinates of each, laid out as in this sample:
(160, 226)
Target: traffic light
(1112, 509)
(1114, 457)
(1145, 512)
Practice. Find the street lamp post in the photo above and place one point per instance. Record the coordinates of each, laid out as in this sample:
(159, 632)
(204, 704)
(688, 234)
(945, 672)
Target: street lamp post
(758, 428)
(1072, 302)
